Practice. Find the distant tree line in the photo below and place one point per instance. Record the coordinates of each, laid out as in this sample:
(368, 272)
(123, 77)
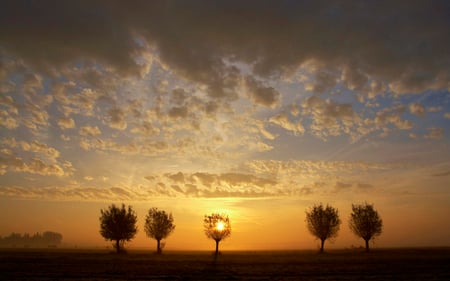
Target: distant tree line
(37, 240)
(118, 224)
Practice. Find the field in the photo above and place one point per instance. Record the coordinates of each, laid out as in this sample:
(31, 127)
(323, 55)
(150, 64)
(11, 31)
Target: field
(380, 264)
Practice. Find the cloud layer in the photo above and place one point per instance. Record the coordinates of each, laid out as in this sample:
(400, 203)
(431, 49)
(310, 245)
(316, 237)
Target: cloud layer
(203, 91)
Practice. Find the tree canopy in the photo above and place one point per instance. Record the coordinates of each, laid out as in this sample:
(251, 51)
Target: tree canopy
(158, 225)
(323, 222)
(118, 224)
(365, 222)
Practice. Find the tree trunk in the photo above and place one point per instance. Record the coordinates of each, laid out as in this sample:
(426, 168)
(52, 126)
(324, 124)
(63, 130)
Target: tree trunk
(322, 242)
(217, 248)
(118, 245)
(367, 245)
(158, 246)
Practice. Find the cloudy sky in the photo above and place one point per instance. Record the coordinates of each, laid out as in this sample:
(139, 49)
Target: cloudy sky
(259, 109)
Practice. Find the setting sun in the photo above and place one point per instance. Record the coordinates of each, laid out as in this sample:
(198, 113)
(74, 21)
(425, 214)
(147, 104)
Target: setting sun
(220, 226)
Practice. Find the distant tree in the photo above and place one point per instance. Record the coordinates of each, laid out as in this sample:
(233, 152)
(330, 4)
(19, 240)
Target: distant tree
(323, 222)
(158, 225)
(217, 227)
(52, 239)
(47, 239)
(118, 224)
(365, 222)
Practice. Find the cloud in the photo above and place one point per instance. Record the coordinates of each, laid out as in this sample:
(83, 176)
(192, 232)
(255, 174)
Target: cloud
(435, 133)
(72, 100)
(329, 117)
(417, 109)
(121, 193)
(66, 123)
(434, 108)
(209, 84)
(35, 146)
(9, 161)
(32, 157)
(178, 112)
(117, 119)
(271, 179)
(37, 166)
(354, 78)
(364, 186)
(146, 128)
(442, 174)
(393, 115)
(148, 148)
(178, 96)
(340, 186)
(261, 95)
(90, 131)
(324, 81)
(8, 121)
(283, 121)
(273, 39)
(210, 185)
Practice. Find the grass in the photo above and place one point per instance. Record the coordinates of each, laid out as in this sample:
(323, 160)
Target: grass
(380, 264)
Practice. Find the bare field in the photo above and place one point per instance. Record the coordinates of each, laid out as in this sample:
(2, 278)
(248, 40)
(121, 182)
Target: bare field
(380, 264)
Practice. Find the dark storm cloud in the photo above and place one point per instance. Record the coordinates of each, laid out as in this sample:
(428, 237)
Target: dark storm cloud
(402, 42)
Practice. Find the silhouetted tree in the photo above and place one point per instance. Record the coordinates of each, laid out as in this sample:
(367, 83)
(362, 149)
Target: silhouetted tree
(158, 225)
(365, 222)
(118, 224)
(51, 238)
(323, 222)
(217, 227)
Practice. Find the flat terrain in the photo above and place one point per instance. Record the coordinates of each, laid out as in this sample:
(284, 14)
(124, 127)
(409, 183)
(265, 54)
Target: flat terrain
(380, 264)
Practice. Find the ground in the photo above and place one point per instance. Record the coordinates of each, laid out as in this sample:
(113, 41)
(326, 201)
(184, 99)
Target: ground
(380, 264)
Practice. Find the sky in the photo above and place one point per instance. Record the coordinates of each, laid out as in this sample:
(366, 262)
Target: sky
(256, 109)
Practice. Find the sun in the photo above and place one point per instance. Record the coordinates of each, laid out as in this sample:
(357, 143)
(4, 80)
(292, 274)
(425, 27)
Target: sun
(220, 226)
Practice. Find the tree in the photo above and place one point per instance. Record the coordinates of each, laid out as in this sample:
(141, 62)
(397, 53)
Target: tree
(118, 224)
(365, 222)
(47, 239)
(52, 239)
(323, 223)
(158, 225)
(217, 227)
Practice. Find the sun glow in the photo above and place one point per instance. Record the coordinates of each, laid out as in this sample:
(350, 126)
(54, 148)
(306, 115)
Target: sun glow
(220, 226)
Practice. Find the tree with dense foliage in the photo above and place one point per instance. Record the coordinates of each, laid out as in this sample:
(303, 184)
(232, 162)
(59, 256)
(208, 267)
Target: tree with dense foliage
(365, 222)
(217, 227)
(323, 222)
(158, 225)
(118, 224)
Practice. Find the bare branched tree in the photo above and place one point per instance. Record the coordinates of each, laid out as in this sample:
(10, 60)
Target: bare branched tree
(217, 227)
(158, 225)
(323, 222)
(365, 222)
(118, 224)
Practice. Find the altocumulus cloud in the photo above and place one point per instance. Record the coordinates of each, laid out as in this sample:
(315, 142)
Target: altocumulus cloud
(217, 83)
